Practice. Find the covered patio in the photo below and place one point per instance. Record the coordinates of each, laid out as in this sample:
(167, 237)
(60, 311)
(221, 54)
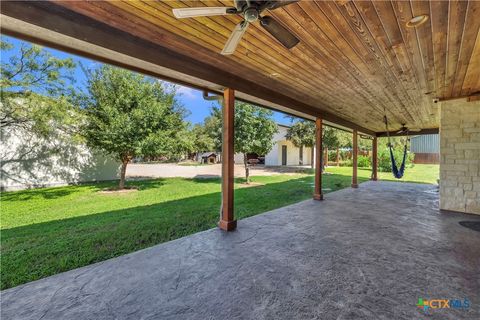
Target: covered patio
(366, 253)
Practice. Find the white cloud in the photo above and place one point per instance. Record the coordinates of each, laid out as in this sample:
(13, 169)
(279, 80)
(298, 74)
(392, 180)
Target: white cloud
(186, 92)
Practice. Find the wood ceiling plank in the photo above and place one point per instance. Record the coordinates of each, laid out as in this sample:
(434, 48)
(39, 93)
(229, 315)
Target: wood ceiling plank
(343, 46)
(259, 43)
(439, 10)
(356, 22)
(424, 39)
(351, 26)
(456, 22)
(403, 13)
(262, 61)
(470, 32)
(386, 13)
(314, 40)
(270, 55)
(319, 56)
(328, 98)
(312, 63)
(471, 84)
(375, 25)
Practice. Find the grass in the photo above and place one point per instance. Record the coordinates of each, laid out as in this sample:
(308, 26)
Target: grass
(51, 230)
(419, 173)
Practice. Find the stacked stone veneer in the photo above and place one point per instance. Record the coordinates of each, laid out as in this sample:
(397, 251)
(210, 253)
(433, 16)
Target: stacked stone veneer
(460, 156)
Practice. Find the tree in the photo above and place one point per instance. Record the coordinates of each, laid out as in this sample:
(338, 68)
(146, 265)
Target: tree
(254, 130)
(213, 127)
(37, 119)
(130, 115)
(202, 139)
(302, 134)
(35, 89)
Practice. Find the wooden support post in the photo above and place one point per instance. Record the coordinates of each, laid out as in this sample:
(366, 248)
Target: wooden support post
(355, 159)
(318, 195)
(338, 158)
(374, 159)
(227, 221)
(326, 157)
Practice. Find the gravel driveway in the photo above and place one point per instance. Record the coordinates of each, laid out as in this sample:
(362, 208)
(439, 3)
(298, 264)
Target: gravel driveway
(168, 170)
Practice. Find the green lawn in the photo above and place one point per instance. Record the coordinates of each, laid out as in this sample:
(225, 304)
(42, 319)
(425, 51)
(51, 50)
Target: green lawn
(47, 231)
(419, 173)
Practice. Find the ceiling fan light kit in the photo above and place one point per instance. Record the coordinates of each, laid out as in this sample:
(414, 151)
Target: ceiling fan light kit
(251, 12)
(417, 21)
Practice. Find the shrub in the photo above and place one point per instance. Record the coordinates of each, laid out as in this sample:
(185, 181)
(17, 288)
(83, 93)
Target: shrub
(384, 162)
(332, 155)
(364, 162)
(346, 163)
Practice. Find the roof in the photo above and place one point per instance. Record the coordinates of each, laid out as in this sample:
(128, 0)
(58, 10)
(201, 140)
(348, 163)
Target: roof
(208, 154)
(354, 58)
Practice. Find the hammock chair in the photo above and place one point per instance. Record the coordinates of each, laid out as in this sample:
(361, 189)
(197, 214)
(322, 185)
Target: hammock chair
(397, 173)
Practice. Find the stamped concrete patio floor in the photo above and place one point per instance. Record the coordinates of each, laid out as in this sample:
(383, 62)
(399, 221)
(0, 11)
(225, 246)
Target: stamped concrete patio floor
(366, 253)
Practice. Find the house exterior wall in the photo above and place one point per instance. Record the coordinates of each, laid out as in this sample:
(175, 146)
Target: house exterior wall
(460, 156)
(28, 162)
(274, 157)
(238, 158)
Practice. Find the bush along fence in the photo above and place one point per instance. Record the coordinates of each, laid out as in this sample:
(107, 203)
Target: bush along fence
(344, 159)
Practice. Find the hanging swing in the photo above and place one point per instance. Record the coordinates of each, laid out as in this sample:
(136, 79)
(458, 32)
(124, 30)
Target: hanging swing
(397, 172)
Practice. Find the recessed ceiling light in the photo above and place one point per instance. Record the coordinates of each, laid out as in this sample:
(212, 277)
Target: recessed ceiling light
(417, 21)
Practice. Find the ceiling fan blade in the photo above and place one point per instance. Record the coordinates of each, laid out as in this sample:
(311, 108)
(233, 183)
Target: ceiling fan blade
(272, 5)
(181, 13)
(235, 38)
(279, 32)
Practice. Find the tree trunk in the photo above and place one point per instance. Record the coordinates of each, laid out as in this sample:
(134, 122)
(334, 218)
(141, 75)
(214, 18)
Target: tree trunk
(123, 171)
(312, 156)
(338, 157)
(247, 169)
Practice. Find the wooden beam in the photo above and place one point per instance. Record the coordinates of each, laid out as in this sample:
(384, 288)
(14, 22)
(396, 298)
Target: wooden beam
(318, 195)
(374, 159)
(470, 97)
(227, 221)
(53, 17)
(473, 98)
(411, 133)
(355, 158)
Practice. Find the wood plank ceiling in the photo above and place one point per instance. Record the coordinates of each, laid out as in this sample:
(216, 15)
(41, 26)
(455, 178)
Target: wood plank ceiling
(355, 59)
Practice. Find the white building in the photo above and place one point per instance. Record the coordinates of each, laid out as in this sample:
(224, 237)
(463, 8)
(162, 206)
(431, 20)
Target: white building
(29, 162)
(284, 153)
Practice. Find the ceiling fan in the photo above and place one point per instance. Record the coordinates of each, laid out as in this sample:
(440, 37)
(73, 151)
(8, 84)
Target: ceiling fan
(404, 129)
(251, 11)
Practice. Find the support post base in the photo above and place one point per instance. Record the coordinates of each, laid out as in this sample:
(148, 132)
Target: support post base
(318, 197)
(227, 225)
(374, 179)
(354, 185)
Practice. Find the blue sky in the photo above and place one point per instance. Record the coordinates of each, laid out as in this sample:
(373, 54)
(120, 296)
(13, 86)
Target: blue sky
(192, 99)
